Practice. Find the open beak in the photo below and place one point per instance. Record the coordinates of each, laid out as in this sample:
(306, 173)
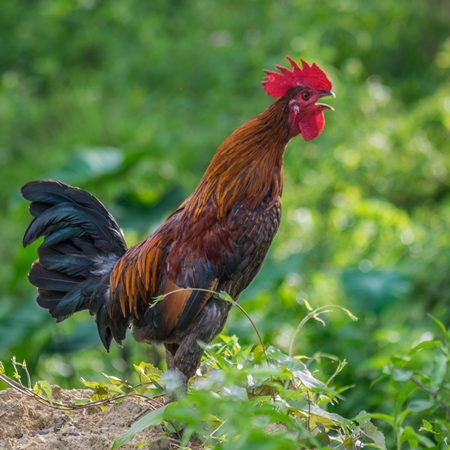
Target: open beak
(323, 105)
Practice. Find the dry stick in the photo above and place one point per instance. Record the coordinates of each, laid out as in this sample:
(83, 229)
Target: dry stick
(57, 405)
(316, 312)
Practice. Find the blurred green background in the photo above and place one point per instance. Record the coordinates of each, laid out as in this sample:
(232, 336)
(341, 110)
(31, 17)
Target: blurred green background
(129, 100)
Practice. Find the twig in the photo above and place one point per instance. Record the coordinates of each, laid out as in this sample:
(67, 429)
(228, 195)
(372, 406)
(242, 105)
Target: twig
(69, 407)
(316, 312)
(434, 394)
(221, 296)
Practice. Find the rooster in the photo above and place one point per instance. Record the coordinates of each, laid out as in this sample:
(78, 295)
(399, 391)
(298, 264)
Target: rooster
(163, 288)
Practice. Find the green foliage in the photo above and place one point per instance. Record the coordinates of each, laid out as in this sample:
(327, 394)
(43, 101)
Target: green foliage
(243, 391)
(250, 397)
(420, 385)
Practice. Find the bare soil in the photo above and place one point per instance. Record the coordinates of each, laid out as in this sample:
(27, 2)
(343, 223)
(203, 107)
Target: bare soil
(26, 423)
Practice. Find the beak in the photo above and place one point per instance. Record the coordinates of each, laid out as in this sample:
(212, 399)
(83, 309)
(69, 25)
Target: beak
(326, 94)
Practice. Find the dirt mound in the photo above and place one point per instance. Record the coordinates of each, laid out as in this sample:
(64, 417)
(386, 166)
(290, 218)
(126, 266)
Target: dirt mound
(27, 424)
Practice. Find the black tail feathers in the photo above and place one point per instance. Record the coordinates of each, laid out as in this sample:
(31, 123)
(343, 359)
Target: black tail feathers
(82, 242)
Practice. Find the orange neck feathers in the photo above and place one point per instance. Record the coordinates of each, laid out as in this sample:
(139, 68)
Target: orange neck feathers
(247, 167)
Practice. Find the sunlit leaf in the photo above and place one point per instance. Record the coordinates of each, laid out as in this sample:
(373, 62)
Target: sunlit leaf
(258, 352)
(114, 380)
(426, 426)
(43, 388)
(90, 384)
(308, 306)
(319, 319)
(425, 344)
(319, 415)
(79, 401)
(149, 371)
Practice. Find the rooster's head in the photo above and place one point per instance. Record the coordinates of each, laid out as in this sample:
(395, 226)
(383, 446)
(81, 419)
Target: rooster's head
(301, 87)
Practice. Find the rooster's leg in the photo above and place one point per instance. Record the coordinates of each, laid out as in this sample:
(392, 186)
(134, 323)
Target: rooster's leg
(182, 380)
(187, 357)
(207, 325)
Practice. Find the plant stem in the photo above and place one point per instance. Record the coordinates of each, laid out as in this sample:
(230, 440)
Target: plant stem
(434, 394)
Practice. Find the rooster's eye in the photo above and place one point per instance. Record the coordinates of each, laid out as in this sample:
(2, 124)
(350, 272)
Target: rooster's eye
(306, 95)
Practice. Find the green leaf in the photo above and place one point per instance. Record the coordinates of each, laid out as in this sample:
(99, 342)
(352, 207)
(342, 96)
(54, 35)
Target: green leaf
(258, 352)
(225, 296)
(43, 389)
(420, 405)
(426, 426)
(2, 368)
(149, 372)
(90, 384)
(413, 438)
(225, 338)
(325, 417)
(154, 418)
(422, 345)
(439, 324)
(402, 375)
(373, 433)
(114, 380)
(438, 371)
(363, 416)
(156, 300)
(401, 417)
(79, 401)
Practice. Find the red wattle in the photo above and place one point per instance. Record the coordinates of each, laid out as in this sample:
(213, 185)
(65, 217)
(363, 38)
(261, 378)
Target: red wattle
(311, 125)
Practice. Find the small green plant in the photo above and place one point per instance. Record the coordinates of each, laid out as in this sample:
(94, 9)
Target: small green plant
(242, 398)
(258, 397)
(421, 416)
(102, 394)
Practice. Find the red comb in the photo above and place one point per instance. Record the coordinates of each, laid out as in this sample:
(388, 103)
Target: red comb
(278, 84)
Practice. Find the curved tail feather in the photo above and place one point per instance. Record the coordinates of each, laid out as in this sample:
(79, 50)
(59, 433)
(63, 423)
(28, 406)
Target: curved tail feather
(82, 242)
